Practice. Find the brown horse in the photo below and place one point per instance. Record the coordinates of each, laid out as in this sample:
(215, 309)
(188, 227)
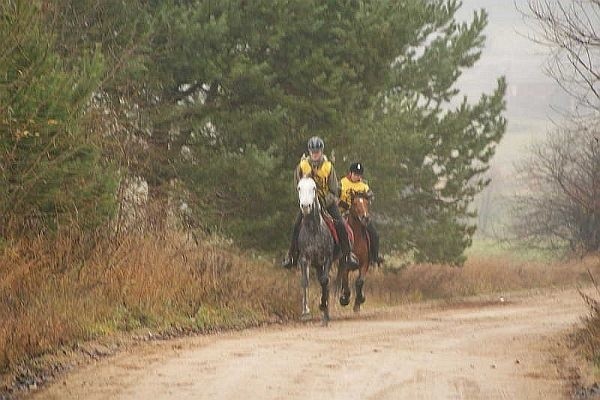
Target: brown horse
(358, 221)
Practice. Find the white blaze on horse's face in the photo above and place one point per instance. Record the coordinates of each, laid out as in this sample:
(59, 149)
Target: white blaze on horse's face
(363, 216)
(361, 201)
(307, 191)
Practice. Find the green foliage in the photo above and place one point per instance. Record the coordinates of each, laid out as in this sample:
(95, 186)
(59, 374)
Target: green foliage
(494, 249)
(239, 87)
(119, 30)
(243, 84)
(212, 102)
(426, 154)
(50, 169)
(236, 193)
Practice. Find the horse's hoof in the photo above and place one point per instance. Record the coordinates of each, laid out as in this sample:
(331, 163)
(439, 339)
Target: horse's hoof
(305, 317)
(361, 299)
(356, 308)
(344, 300)
(322, 307)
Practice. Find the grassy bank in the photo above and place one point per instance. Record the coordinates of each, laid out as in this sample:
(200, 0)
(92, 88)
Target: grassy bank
(61, 292)
(56, 292)
(587, 338)
(480, 274)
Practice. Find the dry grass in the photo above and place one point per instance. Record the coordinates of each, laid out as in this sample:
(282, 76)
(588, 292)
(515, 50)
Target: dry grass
(478, 276)
(56, 292)
(587, 339)
(65, 290)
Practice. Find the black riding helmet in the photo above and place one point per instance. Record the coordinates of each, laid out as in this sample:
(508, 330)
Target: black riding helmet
(357, 168)
(315, 143)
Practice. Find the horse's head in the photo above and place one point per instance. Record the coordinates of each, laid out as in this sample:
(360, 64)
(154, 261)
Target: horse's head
(360, 208)
(307, 193)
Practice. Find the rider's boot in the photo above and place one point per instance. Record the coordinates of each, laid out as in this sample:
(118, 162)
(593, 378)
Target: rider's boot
(375, 257)
(374, 248)
(350, 259)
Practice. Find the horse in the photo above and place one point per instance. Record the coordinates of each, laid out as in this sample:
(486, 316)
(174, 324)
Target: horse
(358, 220)
(316, 246)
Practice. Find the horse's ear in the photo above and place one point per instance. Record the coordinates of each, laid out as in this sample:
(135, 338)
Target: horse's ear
(360, 195)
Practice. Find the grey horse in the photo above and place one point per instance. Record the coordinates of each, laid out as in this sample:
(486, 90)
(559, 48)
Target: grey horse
(316, 246)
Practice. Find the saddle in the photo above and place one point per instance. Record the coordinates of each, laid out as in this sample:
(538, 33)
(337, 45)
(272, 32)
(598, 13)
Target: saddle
(331, 225)
(349, 229)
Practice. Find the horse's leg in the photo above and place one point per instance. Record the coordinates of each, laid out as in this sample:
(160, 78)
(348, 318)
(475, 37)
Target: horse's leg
(360, 281)
(324, 281)
(338, 279)
(304, 266)
(345, 297)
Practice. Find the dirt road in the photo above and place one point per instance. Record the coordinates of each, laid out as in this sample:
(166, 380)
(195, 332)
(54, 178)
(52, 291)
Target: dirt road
(474, 350)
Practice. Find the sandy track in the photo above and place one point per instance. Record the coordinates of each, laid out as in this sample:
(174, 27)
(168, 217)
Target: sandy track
(469, 351)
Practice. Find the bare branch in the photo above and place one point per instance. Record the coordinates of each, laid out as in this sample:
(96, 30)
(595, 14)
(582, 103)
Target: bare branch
(570, 29)
(560, 202)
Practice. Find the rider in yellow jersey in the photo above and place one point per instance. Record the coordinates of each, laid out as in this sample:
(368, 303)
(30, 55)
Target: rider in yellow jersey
(351, 185)
(321, 170)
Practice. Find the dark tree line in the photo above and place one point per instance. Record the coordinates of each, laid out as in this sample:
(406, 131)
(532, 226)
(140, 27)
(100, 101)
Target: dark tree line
(210, 104)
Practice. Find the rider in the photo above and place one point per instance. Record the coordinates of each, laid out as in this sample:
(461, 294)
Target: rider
(321, 170)
(351, 185)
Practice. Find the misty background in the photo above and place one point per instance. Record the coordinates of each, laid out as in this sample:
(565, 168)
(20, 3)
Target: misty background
(534, 101)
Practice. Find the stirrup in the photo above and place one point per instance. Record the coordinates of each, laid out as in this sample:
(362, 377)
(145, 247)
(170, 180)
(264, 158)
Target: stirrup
(350, 260)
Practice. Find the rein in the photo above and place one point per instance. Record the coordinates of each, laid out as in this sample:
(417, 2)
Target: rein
(314, 219)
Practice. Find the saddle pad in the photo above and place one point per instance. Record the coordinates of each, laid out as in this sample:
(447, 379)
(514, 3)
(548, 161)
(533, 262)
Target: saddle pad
(350, 232)
(331, 226)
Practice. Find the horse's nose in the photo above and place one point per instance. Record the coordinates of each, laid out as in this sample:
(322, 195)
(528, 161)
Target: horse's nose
(305, 208)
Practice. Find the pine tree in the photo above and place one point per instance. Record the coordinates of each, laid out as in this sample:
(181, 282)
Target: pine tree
(426, 147)
(214, 102)
(246, 83)
(51, 172)
(239, 83)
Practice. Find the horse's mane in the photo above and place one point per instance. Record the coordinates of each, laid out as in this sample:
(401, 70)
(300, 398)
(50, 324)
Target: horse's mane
(360, 195)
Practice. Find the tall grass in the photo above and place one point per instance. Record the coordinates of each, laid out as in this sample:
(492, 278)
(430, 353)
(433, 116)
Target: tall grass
(479, 275)
(588, 337)
(63, 289)
(58, 291)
